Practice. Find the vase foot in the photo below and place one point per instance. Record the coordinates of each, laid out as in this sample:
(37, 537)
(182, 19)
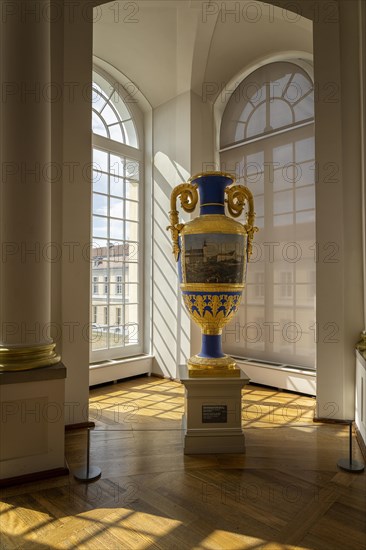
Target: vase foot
(212, 367)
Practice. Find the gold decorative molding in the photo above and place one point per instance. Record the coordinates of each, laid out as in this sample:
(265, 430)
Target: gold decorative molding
(213, 224)
(27, 358)
(188, 199)
(212, 287)
(361, 344)
(237, 196)
(220, 367)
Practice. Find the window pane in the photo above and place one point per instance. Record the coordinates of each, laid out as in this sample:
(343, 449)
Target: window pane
(118, 253)
(285, 219)
(132, 188)
(116, 208)
(306, 217)
(117, 186)
(132, 324)
(283, 155)
(109, 115)
(304, 149)
(97, 334)
(98, 100)
(131, 274)
(100, 226)
(257, 125)
(117, 336)
(132, 252)
(305, 198)
(132, 210)
(115, 132)
(131, 293)
(97, 126)
(100, 182)
(117, 167)
(116, 229)
(132, 233)
(283, 202)
(305, 174)
(100, 204)
(281, 181)
(281, 114)
(130, 132)
(100, 160)
(259, 205)
(132, 169)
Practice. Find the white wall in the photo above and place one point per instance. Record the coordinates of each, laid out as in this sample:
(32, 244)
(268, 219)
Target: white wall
(170, 331)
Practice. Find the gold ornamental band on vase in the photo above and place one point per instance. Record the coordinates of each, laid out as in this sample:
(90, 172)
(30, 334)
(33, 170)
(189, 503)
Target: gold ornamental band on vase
(28, 358)
(204, 223)
(211, 311)
(222, 367)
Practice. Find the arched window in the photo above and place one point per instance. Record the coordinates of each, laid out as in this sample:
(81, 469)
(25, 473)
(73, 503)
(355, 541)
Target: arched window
(116, 224)
(267, 139)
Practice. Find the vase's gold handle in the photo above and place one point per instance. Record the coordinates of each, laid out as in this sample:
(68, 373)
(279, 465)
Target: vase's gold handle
(188, 200)
(237, 196)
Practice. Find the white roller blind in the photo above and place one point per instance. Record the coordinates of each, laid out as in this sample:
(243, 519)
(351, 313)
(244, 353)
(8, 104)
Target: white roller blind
(267, 139)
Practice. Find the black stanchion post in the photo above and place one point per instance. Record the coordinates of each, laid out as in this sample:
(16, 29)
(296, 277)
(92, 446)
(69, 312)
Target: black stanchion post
(349, 464)
(87, 473)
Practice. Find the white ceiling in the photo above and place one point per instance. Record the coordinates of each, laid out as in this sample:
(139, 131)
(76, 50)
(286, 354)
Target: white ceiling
(167, 47)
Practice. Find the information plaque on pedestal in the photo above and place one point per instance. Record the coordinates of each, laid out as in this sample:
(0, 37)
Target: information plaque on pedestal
(212, 414)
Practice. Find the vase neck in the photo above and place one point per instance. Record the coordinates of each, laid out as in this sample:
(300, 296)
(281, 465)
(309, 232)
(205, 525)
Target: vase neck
(211, 189)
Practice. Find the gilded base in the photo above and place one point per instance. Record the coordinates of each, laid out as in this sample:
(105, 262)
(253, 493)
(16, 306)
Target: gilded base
(223, 367)
(27, 358)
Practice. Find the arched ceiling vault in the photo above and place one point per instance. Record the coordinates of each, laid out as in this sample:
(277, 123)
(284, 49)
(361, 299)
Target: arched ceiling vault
(168, 47)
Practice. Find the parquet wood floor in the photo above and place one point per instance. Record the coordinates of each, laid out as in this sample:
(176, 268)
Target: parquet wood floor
(285, 492)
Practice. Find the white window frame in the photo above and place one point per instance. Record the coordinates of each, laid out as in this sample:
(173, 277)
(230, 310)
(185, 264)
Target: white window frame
(219, 113)
(136, 154)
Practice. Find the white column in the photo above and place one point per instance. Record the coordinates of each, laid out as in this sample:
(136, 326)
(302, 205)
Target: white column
(362, 23)
(25, 272)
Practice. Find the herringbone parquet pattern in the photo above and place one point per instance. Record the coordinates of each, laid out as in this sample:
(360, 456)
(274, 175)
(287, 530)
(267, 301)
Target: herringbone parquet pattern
(285, 492)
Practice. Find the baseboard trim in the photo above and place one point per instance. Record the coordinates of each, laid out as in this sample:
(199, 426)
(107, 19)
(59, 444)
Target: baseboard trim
(79, 426)
(360, 442)
(35, 476)
(330, 420)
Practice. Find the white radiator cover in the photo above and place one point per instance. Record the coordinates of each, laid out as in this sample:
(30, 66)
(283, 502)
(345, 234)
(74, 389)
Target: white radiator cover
(283, 377)
(118, 369)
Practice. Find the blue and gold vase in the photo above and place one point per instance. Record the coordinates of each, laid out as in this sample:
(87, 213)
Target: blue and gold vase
(212, 252)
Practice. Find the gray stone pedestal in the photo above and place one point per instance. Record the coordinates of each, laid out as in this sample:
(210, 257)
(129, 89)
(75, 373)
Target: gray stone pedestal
(212, 414)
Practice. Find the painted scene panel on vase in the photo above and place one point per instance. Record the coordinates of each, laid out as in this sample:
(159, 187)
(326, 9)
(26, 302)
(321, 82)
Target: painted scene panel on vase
(214, 258)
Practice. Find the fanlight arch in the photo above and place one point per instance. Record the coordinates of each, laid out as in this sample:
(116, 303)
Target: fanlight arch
(274, 97)
(111, 117)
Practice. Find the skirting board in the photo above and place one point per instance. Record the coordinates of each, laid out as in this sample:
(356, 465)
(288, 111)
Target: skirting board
(36, 476)
(299, 381)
